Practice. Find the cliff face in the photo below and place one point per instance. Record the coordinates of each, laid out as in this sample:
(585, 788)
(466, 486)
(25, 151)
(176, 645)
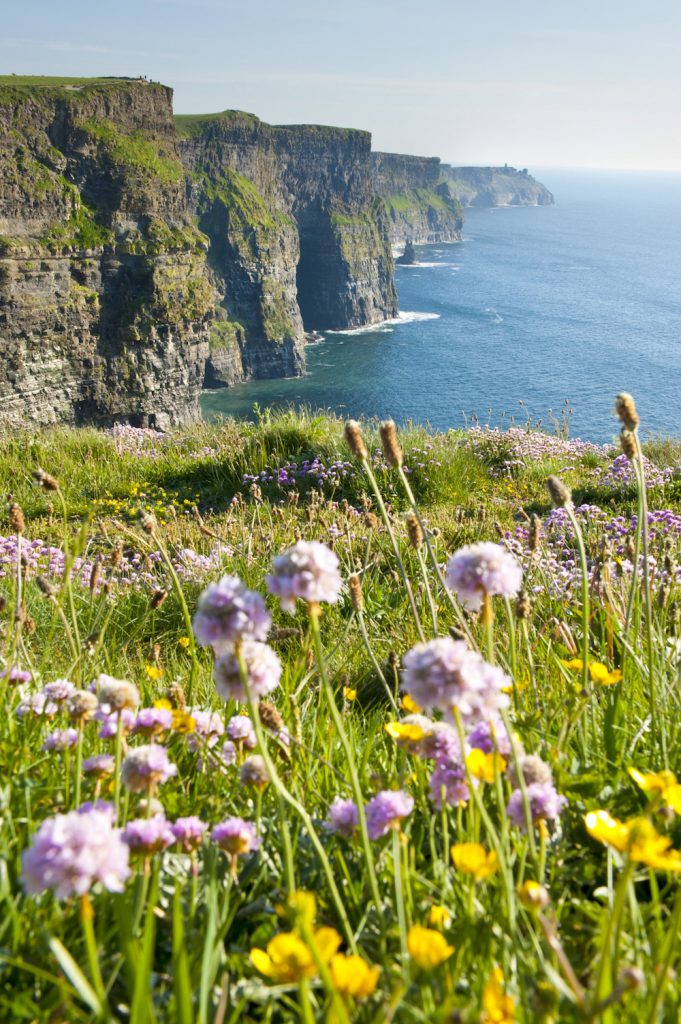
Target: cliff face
(298, 240)
(105, 304)
(419, 205)
(495, 186)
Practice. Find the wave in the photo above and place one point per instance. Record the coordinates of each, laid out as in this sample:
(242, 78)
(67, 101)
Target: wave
(495, 318)
(385, 326)
(417, 266)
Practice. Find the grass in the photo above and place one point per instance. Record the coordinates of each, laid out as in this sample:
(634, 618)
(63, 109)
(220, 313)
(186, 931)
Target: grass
(599, 942)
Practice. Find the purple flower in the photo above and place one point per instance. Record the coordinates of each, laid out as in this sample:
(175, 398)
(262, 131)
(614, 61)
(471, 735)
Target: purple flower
(152, 721)
(100, 765)
(36, 704)
(148, 835)
(545, 804)
(208, 727)
(440, 744)
(59, 691)
(490, 736)
(343, 817)
(71, 852)
(146, 767)
(448, 784)
(109, 729)
(188, 833)
(386, 810)
(444, 674)
(16, 675)
(240, 729)
(309, 571)
(228, 612)
(236, 836)
(480, 570)
(61, 739)
(263, 670)
(228, 752)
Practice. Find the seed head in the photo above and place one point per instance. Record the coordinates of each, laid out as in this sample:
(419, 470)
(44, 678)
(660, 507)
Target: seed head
(522, 606)
(175, 694)
(148, 522)
(371, 520)
(356, 596)
(45, 481)
(391, 446)
(44, 586)
(95, 574)
(535, 528)
(628, 442)
(270, 717)
(116, 556)
(414, 531)
(560, 494)
(625, 407)
(355, 441)
(16, 518)
(157, 599)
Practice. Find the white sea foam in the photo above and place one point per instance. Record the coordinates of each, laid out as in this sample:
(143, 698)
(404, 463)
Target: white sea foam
(418, 266)
(385, 326)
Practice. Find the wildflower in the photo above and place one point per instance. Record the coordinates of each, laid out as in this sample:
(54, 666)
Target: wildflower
(124, 719)
(99, 765)
(188, 833)
(36, 704)
(227, 612)
(116, 694)
(236, 836)
(544, 802)
(152, 721)
(148, 835)
(386, 811)
(482, 570)
(263, 671)
(485, 767)
(343, 817)
(575, 663)
(444, 674)
(72, 852)
(638, 838)
(61, 739)
(448, 785)
(661, 784)
(183, 641)
(146, 767)
(608, 830)
(441, 743)
(405, 733)
(228, 752)
(59, 691)
(16, 675)
(601, 674)
(289, 960)
(489, 736)
(497, 1007)
(439, 916)
(254, 772)
(409, 705)
(473, 859)
(427, 948)
(533, 769)
(208, 727)
(353, 977)
(82, 705)
(349, 694)
(240, 729)
(154, 671)
(309, 571)
(533, 895)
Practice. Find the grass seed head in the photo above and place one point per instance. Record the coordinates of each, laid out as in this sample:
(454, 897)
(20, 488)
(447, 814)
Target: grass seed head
(560, 494)
(355, 441)
(16, 518)
(392, 449)
(45, 481)
(625, 407)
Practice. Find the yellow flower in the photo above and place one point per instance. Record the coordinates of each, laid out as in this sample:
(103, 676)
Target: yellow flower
(354, 977)
(575, 663)
(409, 705)
(288, 959)
(473, 859)
(637, 837)
(427, 948)
(349, 694)
(439, 917)
(533, 895)
(653, 782)
(485, 766)
(606, 829)
(404, 732)
(183, 721)
(154, 671)
(183, 641)
(163, 703)
(498, 1008)
(601, 674)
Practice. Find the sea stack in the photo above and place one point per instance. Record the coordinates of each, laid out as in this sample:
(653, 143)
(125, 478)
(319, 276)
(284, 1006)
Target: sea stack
(408, 257)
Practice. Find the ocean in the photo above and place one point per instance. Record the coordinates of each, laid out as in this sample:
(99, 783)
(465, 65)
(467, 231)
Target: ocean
(537, 313)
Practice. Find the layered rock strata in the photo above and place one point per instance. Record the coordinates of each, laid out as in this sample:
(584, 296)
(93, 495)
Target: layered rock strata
(419, 204)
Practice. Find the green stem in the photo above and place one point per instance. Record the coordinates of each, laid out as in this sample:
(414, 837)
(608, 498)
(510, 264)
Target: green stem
(399, 900)
(86, 919)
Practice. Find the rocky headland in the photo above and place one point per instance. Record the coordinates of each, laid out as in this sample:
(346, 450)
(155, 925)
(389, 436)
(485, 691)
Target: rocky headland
(495, 186)
(420, 205)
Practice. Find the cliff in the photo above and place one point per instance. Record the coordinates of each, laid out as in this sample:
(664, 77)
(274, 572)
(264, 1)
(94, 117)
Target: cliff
(298, 240)
(105, 303)
(419, 204)
(495, 186)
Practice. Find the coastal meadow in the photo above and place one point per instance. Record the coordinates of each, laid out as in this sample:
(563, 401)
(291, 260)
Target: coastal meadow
(306, 721)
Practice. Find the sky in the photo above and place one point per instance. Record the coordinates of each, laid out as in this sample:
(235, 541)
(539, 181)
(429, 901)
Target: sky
(584, 83)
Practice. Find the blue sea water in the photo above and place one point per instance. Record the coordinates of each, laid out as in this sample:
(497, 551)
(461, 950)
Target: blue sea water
(539, 306)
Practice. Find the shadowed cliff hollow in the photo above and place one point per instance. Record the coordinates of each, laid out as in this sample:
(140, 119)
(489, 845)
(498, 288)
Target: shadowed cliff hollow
(104, 298)
(419, 204)
(299, 241)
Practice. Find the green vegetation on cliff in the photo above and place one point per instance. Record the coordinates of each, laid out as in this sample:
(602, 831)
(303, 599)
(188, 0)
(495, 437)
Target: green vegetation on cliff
(134, 150)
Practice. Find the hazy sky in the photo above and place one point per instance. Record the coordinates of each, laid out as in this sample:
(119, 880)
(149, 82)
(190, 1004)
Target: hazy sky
(593, 83)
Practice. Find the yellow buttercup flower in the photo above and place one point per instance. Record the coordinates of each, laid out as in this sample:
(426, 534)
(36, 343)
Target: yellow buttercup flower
(653, 782)
(533, 895)
(408, 704)
(608, 830)
(354, 977)
(575, 663)
(163, 703)
(349, 694)
(473, 859)
(485, 766)
(183, 641)
(427, 947)
(154, 671)
(601, 674)
(638, 838)
(439, 917)
(404, 732)
(497, 1007)
(288, 959)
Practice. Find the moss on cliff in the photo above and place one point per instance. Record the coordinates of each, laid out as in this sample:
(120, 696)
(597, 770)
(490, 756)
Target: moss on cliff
(276, 322)
(225, 334)
(159, 236)
(153, 158)
(82, 230)
(422, 199)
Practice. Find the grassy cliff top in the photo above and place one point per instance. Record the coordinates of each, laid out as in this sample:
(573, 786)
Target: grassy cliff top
(190, 125)
(16, 86)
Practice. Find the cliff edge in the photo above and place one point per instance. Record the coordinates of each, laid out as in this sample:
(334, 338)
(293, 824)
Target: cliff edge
(495, 186)
(419, 204)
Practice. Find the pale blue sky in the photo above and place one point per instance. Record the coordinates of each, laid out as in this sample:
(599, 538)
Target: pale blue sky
(533, 82)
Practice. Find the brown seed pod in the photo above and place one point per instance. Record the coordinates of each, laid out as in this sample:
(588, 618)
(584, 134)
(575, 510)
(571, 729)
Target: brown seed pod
(45, 480)
(625, 407)
(356, 596)
(16, 518)
(414, 531)
(391, 446)
(355, 441)
(560, 494)
(628, 443)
